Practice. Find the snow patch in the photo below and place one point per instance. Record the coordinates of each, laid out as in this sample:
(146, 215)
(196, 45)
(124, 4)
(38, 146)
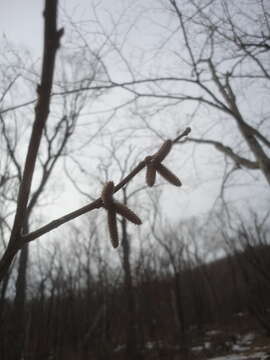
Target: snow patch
(258, 355)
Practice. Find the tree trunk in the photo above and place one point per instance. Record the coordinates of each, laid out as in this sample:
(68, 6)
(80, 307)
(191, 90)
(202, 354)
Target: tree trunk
(19, 303)
(131, 345)
(180, 313)
(255, 147)
(131, 322)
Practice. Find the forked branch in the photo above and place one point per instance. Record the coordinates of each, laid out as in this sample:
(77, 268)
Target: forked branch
(51, 43)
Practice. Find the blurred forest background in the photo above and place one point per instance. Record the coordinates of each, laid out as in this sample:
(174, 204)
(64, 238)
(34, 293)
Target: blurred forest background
(194, 277)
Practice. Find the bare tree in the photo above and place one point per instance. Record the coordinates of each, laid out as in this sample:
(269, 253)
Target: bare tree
(173, 247)
(54, 139)
(217, 56)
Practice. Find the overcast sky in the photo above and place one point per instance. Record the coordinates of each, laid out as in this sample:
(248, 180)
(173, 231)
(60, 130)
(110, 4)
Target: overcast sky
(21, 23)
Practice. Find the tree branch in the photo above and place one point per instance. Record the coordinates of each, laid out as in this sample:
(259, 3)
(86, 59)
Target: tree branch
(239, 160)
(51, 43)
(93, 205)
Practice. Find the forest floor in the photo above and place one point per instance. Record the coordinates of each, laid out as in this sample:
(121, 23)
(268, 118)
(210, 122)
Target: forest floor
(216, 344)
(221, 345)
(239, 339)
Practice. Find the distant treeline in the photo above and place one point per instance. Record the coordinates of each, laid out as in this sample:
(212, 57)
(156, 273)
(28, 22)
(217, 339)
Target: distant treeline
(114, 314)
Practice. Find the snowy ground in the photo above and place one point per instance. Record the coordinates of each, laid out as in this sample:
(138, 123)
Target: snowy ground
(212, 345)
(239, 347)
(258, 355)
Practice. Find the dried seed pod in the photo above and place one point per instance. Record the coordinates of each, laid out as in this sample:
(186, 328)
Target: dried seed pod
(168, 175)
(113, 227)
(127, 213)
(163, 151)
(150, 174)
(107, 194)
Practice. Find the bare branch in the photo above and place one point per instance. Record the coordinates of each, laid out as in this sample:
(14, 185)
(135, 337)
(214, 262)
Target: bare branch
(239, 160)
(51, 43)
(96, 204)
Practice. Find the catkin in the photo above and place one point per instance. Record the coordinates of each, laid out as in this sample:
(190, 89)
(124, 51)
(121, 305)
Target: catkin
(150, 175)
(163, 151)
(107, 194)
(168, 175)
(112, 224)
(127, 213)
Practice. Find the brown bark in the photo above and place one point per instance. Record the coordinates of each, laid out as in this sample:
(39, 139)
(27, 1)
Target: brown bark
(51, 43)
(131, 345)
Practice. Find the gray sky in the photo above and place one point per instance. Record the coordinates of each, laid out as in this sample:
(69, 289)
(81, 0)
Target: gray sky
(21, 23)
